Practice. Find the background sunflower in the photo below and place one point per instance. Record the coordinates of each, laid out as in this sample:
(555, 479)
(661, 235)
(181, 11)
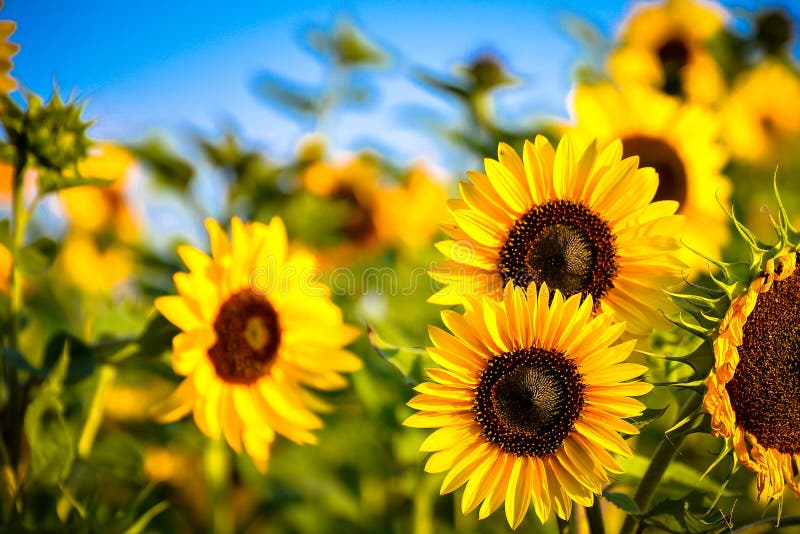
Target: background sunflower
(256, 332)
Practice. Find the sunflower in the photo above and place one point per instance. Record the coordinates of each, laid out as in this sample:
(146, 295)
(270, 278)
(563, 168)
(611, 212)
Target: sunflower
(761, 117)
(753, 389)
(576, 218)
(753, 393)
(257, 329)
(664, 45)
(7, 51)
(529, 400)
(395, 223)
(680, 141)
(93, 209)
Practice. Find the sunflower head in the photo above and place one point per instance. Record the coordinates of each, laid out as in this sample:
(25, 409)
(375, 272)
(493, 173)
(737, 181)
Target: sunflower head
(576, 218)
(679, 140)
(664, 45)
(409, 215)
(104, 209)
(753, 390)
(529, 400)
(257, 332)
(761, 117)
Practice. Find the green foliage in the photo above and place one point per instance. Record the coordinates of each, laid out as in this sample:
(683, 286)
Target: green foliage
(50, 438)
(36, 258)
(687, 515)
(168, 169)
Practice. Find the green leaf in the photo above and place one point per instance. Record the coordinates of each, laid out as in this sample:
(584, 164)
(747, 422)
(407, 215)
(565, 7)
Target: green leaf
(36, 258)
(141, 524)
(81, 358)
(410, 362)
(648, 416)
(151, 343)
(688, 515)
(677, 474)
(167, 168)
(51, 181)
(17, 360)
(50, 439)
(622, 501)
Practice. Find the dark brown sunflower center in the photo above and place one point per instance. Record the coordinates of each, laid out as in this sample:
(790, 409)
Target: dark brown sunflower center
(765, 389)
(653, 152)
(673, 55)
(563, 244)
(528, 400)
(248, 336)
(357, 224)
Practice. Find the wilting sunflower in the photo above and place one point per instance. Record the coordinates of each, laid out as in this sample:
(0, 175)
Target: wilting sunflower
(576, 218)
(664, 45)
(761, 118)
(257, 331)
(528, 403)
(753, 389)
(679, 140)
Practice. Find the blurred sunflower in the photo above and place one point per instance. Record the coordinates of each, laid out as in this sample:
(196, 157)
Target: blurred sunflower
(529, 401)
(680, 141)
(413, 228)
(94, 266)
(753, 389)
(761, 118)
(664, 45)
(352, 182)
(257, 329)
(6, 265)
(579, 219)
(7, 51)
(104, 209)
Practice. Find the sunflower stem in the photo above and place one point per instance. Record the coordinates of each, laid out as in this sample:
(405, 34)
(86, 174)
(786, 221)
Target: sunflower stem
(768, 525)
(664, 454)
(563, 525)
(594, 516)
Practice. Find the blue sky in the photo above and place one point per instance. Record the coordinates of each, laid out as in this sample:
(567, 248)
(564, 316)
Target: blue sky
(182, 66)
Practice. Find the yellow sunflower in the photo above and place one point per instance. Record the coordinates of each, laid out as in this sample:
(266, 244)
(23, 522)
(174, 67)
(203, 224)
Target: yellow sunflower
(761, 118)
(413, 228)
(753, 393)
(257, 330)
(528, 403)
(92, 265)
(104, 209)
(664, 45)
(679, 140)
(578, 218)
(7, 51)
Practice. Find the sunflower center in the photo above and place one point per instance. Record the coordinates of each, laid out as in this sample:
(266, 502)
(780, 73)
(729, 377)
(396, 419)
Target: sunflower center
(528, 400)
(357, 225)
(653, 152)
(248, 336)
(562, 257)
(765, 389)
(673, 55)
(563, 244)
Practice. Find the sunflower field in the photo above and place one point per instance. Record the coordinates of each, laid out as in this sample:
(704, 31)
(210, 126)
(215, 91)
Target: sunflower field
(585, 322)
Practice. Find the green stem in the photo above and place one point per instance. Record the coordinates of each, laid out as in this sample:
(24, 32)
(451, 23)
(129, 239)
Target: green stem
(659, 463)
(594, 516)
(768, 525)
(18, 220)
(95, 417)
